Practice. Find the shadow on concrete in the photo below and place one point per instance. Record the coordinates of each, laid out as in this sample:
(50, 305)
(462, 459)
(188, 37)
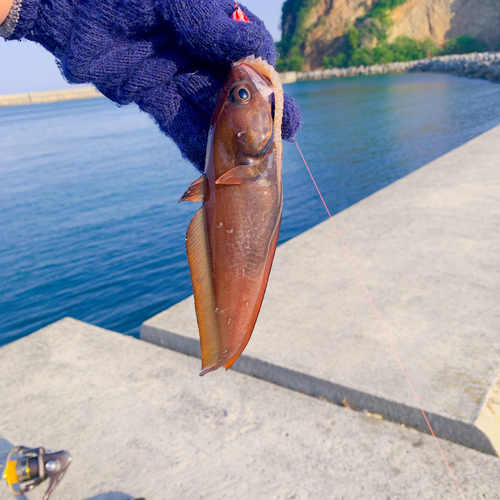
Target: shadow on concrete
(114, 495)
(5, 447)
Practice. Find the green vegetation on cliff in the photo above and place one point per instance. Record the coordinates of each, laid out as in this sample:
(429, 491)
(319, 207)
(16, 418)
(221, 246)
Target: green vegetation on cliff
(382, 8)
(463, 45)
(402, 49)
(293, 23)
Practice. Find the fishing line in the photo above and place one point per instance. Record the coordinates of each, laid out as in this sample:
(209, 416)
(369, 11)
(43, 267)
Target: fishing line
(382, 325)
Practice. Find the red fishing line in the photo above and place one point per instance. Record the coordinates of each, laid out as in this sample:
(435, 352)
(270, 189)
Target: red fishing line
(382, 325)
(238, 14)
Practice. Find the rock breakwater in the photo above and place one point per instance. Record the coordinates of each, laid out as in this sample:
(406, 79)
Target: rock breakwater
(376, 69)
(477, 65)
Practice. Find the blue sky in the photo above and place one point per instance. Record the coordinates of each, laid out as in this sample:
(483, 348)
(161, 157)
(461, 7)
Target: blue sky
(27, 67)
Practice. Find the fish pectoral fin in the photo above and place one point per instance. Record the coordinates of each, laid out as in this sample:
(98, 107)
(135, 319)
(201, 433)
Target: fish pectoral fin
(240, 174)
(195, 191)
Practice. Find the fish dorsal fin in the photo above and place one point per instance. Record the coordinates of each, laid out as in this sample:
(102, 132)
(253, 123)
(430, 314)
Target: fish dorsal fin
(195, 191)
(198, 255)
(240, 174)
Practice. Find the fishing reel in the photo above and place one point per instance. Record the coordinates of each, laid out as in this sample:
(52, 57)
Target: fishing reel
(26, 468)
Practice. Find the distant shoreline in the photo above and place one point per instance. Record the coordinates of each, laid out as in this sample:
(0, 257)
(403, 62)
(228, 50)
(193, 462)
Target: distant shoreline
(49, 96)
(477, 65)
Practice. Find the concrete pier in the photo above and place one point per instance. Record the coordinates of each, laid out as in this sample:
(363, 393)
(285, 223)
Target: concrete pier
(140, 422)
(427, 250)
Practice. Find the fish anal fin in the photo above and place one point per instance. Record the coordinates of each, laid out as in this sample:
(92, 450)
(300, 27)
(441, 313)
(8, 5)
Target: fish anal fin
(198, 255)
(195, 191)
(239, 174)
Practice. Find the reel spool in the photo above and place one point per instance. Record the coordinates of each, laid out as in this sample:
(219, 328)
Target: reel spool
(33, 466)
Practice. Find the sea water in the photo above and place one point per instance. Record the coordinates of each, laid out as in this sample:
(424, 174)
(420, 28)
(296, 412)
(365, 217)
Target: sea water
(89, 221)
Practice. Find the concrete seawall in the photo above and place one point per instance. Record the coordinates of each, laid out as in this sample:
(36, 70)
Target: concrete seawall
(49, 96)
(427, 248)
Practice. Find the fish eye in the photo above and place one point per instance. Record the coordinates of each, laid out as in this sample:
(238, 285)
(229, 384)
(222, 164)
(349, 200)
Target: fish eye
(243, 94)
(240, 95)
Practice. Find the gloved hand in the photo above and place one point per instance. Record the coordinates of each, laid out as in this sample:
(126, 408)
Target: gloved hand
(169, 56)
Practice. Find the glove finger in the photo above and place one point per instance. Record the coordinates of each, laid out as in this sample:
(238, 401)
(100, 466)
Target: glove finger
(128, 19)
(292, 119)
(98, 57)
(127, 71)
(200, 89)
(181, 107)
(207, 29)
(190, 132)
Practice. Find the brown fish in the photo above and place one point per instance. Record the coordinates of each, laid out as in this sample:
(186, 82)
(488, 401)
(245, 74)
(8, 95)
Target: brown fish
(231, 240)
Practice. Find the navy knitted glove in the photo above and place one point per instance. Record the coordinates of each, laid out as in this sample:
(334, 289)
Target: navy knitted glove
(168, 56)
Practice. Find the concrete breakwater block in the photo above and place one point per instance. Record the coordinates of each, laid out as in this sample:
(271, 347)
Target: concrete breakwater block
(427, 248)
(69, 94)
(139, 422)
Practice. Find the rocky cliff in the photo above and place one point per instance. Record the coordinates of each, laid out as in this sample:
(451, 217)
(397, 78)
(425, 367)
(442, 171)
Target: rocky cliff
(313, 29)
(441, 20)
